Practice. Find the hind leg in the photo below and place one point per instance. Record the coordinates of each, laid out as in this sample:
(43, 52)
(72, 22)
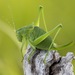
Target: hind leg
(52, 43)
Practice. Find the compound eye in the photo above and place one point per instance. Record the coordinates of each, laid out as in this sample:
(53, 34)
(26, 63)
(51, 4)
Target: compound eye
(19, 36)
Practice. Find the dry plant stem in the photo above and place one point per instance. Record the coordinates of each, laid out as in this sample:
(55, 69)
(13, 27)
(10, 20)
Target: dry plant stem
(55, 64)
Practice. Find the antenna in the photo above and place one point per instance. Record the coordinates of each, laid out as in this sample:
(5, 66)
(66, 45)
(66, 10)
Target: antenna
(12, 18)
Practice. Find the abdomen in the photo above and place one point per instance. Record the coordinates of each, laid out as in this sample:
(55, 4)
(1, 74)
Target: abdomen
(37, 32)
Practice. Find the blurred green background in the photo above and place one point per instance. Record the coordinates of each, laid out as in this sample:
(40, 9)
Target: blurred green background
(24, 12)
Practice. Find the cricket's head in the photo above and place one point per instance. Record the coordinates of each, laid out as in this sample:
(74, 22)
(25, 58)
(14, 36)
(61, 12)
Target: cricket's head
(24, 32)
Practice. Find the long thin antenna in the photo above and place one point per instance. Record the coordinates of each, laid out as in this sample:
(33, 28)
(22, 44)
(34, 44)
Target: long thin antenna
(12, 18)
(7, 20)
(11, 14)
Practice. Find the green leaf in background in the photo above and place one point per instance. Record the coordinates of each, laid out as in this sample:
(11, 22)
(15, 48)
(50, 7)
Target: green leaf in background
(24, 12)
